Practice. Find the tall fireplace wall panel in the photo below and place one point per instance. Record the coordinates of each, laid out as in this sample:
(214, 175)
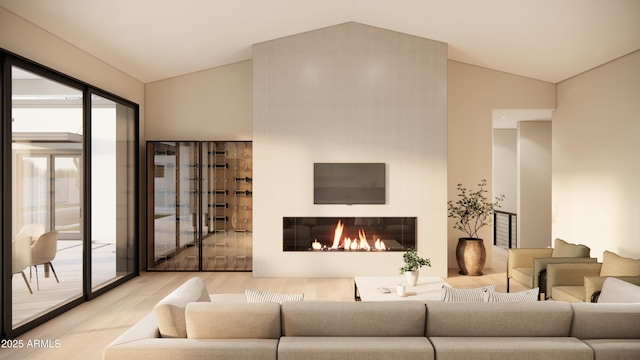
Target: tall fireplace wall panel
(199, 205)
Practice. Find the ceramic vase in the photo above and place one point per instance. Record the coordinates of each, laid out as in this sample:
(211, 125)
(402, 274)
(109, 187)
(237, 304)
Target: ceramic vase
(471, 256)
(412, 277)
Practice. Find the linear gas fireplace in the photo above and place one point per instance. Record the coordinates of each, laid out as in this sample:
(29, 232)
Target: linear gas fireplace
(348, 233)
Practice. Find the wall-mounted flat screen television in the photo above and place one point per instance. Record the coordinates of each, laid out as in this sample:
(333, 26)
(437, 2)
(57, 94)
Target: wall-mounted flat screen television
(349, 183)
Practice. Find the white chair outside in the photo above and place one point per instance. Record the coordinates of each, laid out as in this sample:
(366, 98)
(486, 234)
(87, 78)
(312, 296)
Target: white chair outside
(43, 251)
(21, 255)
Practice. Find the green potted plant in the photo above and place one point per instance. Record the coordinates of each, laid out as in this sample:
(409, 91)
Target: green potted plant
(412, 263)
(472, 212)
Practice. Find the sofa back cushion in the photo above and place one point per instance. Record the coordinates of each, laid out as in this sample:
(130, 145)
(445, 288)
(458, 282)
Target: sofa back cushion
(562, 248)
(315, 318)
(616, 265)
(527, 319)
(170, 310)
(233, 320)
(605, 321)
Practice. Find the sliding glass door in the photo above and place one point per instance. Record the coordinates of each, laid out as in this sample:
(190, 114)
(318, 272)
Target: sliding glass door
(69, 188)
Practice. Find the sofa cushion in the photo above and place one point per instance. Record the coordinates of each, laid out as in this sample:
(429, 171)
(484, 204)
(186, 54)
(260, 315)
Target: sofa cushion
(331, 318)
(194, 349)
(619, 291)
(255, 296)
(465, 295)
(615, 349)
(616, 265)
(522, 296)
(509, 348)
(540, 318)
(355, 348)
(606, 321)
(562, 248)
(170, 310)
(219, 320)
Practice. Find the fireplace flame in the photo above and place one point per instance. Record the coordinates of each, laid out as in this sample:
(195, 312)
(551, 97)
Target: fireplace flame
(347, 243)
(337, 235)
(364, 245)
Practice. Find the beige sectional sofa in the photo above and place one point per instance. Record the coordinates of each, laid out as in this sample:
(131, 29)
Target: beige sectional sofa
(230, 328)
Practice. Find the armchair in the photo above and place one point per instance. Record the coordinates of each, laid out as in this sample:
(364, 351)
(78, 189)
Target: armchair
(21, 256)
(520, 265)
(528, 266)
(43, 251)
(578, 282)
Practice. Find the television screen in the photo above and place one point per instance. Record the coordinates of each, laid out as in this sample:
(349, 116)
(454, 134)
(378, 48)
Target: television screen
(349, 183)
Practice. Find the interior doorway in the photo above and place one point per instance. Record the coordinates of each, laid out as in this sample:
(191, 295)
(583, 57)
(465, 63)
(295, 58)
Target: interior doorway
(522, 172)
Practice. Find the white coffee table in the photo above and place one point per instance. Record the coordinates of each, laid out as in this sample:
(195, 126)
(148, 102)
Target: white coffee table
(428, 288)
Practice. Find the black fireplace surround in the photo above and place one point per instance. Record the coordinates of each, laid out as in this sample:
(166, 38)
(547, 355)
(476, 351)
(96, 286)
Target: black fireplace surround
(319, 233)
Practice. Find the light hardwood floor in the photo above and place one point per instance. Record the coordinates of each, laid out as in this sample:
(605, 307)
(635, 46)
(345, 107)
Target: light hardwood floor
(84, 331)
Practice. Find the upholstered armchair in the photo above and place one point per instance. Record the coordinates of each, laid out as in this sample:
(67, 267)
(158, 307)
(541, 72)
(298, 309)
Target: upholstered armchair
(577, 282)
(528, 265)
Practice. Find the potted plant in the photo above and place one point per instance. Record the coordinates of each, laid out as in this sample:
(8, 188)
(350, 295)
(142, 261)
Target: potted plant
(472, 212)
(412, 263)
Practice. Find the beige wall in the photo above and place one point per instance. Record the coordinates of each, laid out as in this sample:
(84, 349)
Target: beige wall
(213, 104)
(534, 184)
(473, 93)
(505, 167)
(596, 171)
(349, 93)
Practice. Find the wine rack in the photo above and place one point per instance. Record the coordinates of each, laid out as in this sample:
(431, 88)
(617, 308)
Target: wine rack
(200, 206)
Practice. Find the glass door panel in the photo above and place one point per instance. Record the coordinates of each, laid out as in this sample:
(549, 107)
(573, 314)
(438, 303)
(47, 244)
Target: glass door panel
(164, 226)
(187, 205)
(215, 198)
(47, 121)
(113, 191)
(175, 184)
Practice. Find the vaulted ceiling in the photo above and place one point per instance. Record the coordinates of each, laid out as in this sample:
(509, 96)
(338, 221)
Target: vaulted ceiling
(549, 40)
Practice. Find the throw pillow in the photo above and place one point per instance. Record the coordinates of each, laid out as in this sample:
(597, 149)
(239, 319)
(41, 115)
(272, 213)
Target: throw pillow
(465, 295)
(255, 296)
(170, 310)
(616, 265)
(562, 248)
(522, 296)
(619, 291)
